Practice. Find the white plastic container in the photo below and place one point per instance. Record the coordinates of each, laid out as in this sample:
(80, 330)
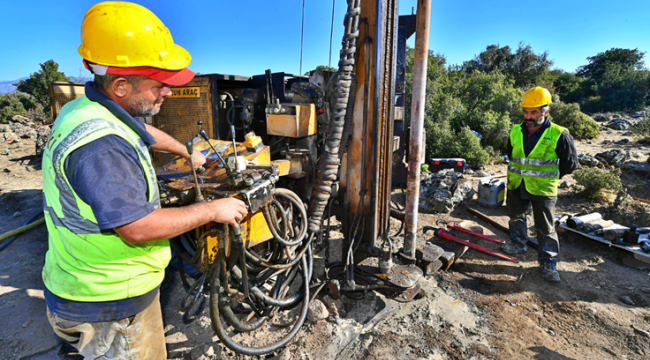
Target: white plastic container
(491, 192)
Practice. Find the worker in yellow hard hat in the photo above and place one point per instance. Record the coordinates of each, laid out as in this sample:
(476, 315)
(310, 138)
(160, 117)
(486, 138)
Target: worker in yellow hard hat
(108, 245)
(540, 153)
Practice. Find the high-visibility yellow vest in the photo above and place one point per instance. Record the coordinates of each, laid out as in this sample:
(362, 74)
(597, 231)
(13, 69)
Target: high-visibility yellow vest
(82, 262)
(540, 170)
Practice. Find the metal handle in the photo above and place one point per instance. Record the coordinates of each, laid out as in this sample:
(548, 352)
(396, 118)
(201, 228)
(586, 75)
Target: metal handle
(190, 150)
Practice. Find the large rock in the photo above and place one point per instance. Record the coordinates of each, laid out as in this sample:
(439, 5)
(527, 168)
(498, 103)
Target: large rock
(317, 311)
(615, 158)
(601, 117)
(638, 114)
(619, 124)
(42, 135)
(20, 119)
(484, 173)
(443, 191)
(588, 160)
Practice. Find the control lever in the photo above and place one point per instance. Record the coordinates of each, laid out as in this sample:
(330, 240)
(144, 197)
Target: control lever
(205, 137)
(234, 149)
(190, 150)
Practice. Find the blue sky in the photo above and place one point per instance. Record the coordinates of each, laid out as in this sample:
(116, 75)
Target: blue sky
(247, 37)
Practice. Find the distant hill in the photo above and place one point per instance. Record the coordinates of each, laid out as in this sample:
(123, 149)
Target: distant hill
(6, 87)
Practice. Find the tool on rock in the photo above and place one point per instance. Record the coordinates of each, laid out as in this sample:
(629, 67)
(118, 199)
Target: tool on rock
(441, 233)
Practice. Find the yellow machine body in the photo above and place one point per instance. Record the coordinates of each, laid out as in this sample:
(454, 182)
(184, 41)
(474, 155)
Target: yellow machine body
(300, 122)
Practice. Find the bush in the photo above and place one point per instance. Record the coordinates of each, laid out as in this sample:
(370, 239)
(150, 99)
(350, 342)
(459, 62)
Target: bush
(593, 180)
(443, 142)
(16, 103)
(580, 125)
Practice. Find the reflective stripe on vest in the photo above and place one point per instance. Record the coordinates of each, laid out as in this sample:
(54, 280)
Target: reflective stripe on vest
(540, 170)
(83, 263)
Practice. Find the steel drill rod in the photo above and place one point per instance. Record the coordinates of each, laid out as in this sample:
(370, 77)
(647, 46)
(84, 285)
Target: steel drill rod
(453, 226)
(416, 145)
(441, 233)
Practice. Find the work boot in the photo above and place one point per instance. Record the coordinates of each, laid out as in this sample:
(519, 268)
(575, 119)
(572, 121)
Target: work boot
(514, 248)
(549, 273)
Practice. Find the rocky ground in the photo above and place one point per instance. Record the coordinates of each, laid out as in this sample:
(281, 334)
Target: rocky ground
(481, 308)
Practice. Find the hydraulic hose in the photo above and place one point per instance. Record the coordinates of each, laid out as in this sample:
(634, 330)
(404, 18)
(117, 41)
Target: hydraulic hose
(217, 324)
(13, 234)
(328, 164)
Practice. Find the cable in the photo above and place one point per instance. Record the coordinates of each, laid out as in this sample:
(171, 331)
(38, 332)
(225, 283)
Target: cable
(329, 65)
(302, 32)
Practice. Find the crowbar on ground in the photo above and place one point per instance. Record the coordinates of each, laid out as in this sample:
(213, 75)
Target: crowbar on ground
(441, 233)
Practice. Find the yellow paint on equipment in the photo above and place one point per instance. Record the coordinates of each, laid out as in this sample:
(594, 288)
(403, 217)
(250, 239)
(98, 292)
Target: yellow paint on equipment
(252, 140)
(302, 124)
(284, 166)
(185, 92)
(255, 230)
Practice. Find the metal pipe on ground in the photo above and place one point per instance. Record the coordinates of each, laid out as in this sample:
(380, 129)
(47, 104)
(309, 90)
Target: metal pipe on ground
(499, 226)
(416, 147)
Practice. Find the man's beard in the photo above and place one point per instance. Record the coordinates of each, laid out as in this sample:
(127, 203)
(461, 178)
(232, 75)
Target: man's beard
(537, 122)
(141, 107)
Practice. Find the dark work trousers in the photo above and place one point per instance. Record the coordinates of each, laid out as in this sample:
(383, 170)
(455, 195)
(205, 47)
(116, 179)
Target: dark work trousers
(544, 215)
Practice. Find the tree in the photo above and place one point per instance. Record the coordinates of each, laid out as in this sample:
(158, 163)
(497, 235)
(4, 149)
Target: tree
(615, 80)
(326, 68)
(37, 84)
(567, 86)
(528, 67)
(524, 66)
(493, 59)
(626, 59)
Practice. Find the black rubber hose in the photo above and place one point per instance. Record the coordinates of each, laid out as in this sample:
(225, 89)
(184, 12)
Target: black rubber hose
(221, 332)
(272, 226)
(295, 200)
(293, 262)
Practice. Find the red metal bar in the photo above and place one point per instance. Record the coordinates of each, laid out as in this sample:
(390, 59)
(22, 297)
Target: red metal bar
(453, 226)
(496, 224)
(441, 233)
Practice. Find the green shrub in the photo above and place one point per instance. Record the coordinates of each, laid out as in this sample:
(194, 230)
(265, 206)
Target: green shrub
(593, 180)
(578, 123)
(16, 103)
(443, 142)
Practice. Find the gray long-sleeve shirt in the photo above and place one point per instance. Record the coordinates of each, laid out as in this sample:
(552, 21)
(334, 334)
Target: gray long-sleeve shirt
(565, 150)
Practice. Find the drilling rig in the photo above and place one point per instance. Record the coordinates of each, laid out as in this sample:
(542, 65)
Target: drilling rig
(299, 150)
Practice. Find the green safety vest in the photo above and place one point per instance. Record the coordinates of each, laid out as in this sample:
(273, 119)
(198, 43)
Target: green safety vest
(82, 262)
(540, 170)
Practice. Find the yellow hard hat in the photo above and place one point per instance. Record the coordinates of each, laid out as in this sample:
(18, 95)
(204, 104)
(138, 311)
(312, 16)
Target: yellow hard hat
(536, 97)
(124, 34)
